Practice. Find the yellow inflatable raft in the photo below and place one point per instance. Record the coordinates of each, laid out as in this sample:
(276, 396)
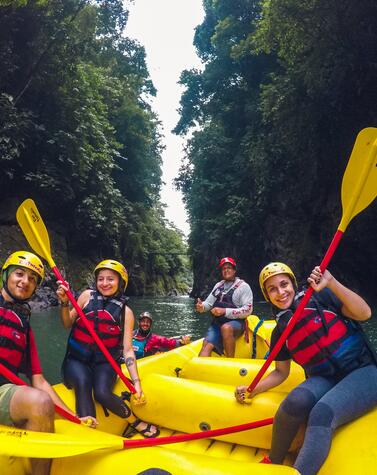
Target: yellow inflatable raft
(187, 394)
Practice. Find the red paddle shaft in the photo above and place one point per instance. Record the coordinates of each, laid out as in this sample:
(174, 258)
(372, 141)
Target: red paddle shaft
(130, 444)
(93, 334)
(16, 380)
(325, 262)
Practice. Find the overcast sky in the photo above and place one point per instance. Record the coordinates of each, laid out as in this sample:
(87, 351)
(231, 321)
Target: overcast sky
(166, 29)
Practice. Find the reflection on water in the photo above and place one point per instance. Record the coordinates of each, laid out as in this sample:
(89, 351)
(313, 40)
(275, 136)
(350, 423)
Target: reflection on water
(172, 316)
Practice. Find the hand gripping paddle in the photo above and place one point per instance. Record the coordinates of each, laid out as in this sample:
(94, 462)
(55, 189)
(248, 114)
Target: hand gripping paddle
(35, 231)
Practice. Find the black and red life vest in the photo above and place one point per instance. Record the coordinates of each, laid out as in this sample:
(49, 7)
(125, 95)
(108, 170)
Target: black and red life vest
(324, 342)
(224, 298)
(106, 318)
(14, 335)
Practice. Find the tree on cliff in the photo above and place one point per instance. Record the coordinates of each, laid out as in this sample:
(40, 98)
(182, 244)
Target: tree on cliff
(77, 131)
(287, 85)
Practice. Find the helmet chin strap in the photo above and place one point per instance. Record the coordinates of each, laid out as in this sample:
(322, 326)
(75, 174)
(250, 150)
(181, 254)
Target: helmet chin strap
(15, 299)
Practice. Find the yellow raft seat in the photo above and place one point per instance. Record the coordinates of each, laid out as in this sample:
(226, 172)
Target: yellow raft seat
(188, 394)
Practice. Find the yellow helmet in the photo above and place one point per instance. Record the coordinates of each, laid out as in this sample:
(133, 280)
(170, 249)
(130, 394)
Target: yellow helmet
(274, 268)
(116, 267)
(25, 259)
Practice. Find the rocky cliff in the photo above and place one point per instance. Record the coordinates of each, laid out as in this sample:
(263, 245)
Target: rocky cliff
(301, 242)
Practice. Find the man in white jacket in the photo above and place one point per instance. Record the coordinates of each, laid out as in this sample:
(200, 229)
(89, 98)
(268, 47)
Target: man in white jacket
(230, 302)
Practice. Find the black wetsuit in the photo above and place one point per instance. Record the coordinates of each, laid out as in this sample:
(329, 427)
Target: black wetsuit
(85, 369)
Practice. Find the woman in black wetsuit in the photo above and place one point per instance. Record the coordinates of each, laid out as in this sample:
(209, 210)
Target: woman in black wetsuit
(85, 368)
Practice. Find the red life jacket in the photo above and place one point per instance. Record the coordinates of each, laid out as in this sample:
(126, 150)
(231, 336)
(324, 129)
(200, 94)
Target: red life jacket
(323, 342)
(105, 317)
(14, 335)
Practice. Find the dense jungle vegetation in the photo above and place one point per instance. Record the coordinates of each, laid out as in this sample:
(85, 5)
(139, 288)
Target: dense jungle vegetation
(271, 121)
(77, 135)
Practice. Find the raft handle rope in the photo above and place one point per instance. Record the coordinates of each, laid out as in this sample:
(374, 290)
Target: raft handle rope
(254, 341)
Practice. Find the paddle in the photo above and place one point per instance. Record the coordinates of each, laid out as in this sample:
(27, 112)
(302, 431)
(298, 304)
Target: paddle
(23, 443)
(359, 189)
(35, 231)
(4, 371)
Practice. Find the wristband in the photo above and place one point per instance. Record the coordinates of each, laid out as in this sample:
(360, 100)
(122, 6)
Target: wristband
(64, 304)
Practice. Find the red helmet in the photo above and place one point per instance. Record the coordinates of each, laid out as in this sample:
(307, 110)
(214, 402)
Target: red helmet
(226, 260)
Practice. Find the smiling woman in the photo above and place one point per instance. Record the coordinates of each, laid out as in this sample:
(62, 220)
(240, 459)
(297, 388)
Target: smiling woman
(278, 284)
(85, 368)
(339, 362)
(107, 282)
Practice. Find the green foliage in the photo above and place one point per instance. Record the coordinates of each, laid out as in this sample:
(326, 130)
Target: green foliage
(77, 133)
(14, 126)
(155, 249)
(285, 88)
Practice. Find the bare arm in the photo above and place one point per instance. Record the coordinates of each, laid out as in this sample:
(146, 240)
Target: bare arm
(128, 352)
(68, 316)
(202, 307)
(276, 377)
(353, 306)
(199, 306)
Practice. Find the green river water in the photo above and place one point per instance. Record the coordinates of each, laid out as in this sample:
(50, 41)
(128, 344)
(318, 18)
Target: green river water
(173, 316)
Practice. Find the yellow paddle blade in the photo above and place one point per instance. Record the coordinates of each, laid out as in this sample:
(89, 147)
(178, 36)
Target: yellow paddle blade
(359, 186)
(23, 443)
(34, 229)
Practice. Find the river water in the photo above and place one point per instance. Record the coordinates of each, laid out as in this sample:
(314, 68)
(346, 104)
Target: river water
(173, 316)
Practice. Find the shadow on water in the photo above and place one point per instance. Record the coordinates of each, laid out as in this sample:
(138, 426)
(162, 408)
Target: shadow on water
(173, 316)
